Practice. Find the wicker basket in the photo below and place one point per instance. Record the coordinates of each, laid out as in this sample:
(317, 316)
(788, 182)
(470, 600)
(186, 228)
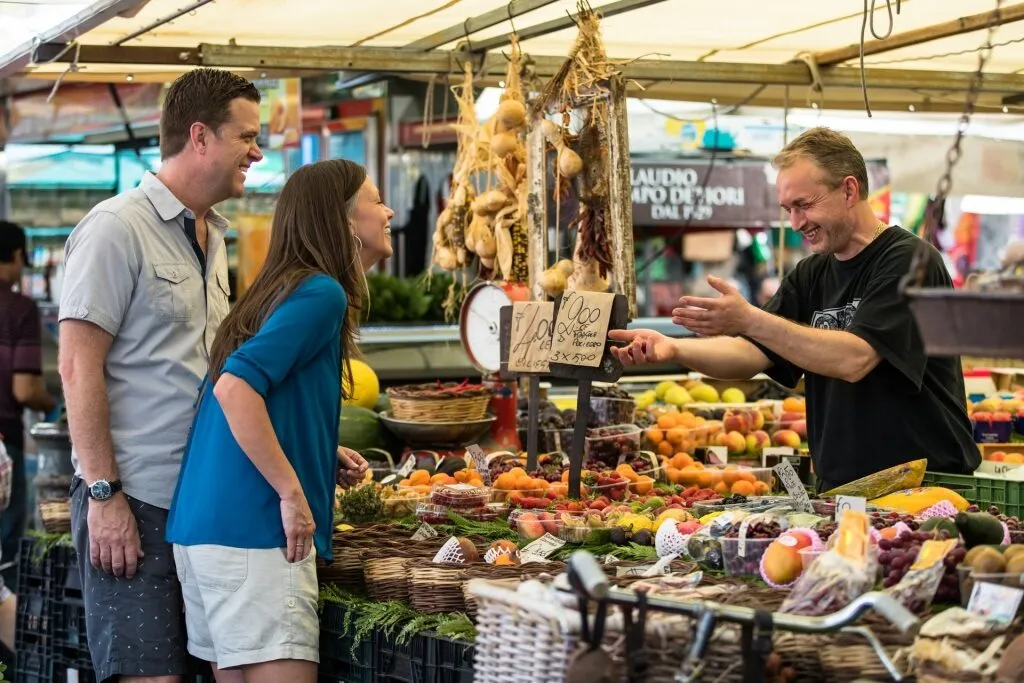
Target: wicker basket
(438, 403)
(55, 514)
(439, 588)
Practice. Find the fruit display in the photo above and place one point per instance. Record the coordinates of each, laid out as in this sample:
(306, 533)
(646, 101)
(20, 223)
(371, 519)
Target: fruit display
(399, 503)
(990, 564)
(896, 557)
(608, 444)
(610, 405)
(680, 432)
(459, 496)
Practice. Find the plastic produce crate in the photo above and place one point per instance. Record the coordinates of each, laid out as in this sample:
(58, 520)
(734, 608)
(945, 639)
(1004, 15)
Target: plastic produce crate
(448, 661)
(70, 646)
(339, 662)
(1008, 496)
(34, 664)
(403, 663)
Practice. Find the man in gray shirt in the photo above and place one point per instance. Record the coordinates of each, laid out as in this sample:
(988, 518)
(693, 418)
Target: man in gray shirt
(146, 286)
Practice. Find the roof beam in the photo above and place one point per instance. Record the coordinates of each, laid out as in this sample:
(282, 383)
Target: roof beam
(925, 34)
(568, 21)
(401, 61)
(82, 22)
(486, 20)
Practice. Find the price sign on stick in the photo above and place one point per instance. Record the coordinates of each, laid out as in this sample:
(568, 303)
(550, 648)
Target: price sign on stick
(581, 328)
(528, 325)
(530, 343)
(582, 320)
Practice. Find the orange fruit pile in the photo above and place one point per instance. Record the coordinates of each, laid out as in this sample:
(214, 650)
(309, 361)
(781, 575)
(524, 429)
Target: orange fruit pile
(680, 433)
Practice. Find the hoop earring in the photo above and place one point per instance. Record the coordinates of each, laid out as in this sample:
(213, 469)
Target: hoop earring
(359, 241)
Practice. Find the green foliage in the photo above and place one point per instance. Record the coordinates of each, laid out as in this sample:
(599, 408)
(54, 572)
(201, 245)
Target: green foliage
(406, 300)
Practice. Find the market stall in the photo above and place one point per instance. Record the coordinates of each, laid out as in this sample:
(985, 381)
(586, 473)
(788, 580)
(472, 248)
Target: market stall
(666, 533)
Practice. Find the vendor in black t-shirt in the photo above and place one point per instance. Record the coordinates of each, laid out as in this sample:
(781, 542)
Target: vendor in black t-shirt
(874, 399)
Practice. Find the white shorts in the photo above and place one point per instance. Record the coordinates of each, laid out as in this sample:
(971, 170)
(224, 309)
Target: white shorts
(248, 606)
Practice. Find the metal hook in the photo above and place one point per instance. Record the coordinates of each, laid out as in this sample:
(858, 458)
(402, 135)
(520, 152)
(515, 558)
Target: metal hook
(508, 10)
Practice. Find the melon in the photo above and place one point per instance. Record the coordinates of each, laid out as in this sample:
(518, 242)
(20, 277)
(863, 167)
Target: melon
(365, 386)
(359, 429)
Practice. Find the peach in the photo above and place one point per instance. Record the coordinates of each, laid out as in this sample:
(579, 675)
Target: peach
(788, 416)
(735, 442)
(549, 522)
(786, 437)
(996, 456)
(1015, 458)
(531, 526)
(756, 441)
(800, 427)
(756, 419)
(736, 422)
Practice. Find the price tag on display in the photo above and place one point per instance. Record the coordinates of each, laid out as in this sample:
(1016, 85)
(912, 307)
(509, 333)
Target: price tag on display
(541, 549)
(995, 602)
(408, 466)
(479, 459)
(581, 328)
(794, 487)
(424, 532)
(844, 503)
(780, 451)
(717, 455)
(530, 343)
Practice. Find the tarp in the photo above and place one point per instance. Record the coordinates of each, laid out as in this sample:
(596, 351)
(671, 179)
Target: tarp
(730, 31)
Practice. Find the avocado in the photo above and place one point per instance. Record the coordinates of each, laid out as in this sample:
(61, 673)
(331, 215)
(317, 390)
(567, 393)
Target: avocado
(937, 524)
(979, 528)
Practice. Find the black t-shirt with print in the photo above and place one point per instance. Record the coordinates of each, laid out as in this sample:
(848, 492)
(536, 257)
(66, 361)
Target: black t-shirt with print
(911, 406)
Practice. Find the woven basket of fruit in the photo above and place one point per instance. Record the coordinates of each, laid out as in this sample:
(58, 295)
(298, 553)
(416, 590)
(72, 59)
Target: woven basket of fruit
(439, 588)
(437, 402)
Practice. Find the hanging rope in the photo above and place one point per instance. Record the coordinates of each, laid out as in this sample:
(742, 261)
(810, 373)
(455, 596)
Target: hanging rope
(868, 21)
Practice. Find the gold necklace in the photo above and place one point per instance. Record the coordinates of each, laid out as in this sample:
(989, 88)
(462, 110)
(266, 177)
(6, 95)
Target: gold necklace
(879, 230)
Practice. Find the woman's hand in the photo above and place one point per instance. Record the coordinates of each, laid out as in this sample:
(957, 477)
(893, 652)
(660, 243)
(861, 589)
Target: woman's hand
(297, 519)
(351, 467)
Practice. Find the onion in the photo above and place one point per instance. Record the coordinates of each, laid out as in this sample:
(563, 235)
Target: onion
(503, 144)
(553, 281)
(445, 258)
(495, 200)
(479, 206)
(511, 114)
(569, 163)
(566, 266)
(486, 246)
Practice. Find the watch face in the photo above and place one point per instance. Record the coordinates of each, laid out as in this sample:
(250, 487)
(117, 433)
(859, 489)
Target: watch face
(101, 490)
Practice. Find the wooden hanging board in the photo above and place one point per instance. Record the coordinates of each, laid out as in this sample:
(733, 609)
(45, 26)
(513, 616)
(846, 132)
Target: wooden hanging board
(524, 340)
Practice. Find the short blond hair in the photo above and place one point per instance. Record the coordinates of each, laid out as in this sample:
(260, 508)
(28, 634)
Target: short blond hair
(833, 152)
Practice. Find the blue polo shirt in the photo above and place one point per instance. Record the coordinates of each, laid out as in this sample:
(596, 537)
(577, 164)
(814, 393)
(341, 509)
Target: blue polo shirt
(293, 362)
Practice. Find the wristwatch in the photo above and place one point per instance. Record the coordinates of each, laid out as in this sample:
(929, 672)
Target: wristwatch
(101, 489)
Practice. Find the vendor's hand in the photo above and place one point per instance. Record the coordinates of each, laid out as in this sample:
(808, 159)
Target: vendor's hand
(114, 542)
(351, 467)
(644, 346)
(729, 314)
(297, 519)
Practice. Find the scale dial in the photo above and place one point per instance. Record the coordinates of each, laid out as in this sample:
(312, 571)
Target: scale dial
(479, 326)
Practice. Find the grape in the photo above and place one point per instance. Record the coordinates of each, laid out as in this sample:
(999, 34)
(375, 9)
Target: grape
(884, 544)
(993, 510)
(884, 557)
(889, 582)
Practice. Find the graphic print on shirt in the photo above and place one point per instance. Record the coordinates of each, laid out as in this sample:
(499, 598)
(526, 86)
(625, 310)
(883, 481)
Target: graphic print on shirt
(835, 318)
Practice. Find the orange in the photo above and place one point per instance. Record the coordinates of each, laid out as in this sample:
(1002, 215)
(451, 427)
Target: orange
(743, 488)
(655, 436)
(730, 475)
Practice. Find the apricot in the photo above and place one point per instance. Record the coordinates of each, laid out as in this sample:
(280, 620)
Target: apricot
(761, 488)
(665, 448)
(742, 488)
(419, 477)
(793, 404)
(655, 436)
(666, 421)
(721, 489)
(705, 479)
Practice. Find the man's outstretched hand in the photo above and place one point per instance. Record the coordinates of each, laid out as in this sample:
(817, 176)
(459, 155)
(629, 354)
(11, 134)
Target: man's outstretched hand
(642, 347)
(729, 314)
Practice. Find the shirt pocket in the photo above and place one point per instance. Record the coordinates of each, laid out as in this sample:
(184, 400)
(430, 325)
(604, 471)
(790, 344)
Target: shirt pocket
(172, 291)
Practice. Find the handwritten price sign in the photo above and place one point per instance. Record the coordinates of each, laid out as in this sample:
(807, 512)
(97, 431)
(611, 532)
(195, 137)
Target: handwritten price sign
(581, 328)
(530, 343)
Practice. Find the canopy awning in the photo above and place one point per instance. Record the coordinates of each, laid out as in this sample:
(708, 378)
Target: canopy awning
(732, 50)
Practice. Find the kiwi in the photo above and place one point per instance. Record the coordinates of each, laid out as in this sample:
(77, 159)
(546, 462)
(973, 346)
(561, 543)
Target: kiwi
(1012, 550)
(973, 553)
(988, 561)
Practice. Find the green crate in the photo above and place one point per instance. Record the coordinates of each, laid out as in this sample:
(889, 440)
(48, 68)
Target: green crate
(1008, 496)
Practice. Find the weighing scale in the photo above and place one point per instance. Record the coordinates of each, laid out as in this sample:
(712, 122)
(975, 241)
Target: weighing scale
(479, 330)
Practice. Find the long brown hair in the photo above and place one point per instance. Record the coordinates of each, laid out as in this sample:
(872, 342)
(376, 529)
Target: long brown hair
(310, 234)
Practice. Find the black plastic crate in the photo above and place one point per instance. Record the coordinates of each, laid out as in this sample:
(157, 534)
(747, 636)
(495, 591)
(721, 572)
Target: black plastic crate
(62, 673)
(34, 664)
(339, 672)
(336, 646)
(405, 663)
(70, 645)
(66, 580)
(35, 570)
(33, 618)
(448, 661)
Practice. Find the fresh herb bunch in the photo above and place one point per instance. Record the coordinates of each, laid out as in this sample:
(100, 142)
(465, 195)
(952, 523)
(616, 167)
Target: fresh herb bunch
(361, 505)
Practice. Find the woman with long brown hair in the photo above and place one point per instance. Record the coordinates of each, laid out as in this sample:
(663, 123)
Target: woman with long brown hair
(254, 501)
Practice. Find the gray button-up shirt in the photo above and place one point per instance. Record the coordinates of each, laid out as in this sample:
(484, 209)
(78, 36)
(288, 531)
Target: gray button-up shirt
(129, 268)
